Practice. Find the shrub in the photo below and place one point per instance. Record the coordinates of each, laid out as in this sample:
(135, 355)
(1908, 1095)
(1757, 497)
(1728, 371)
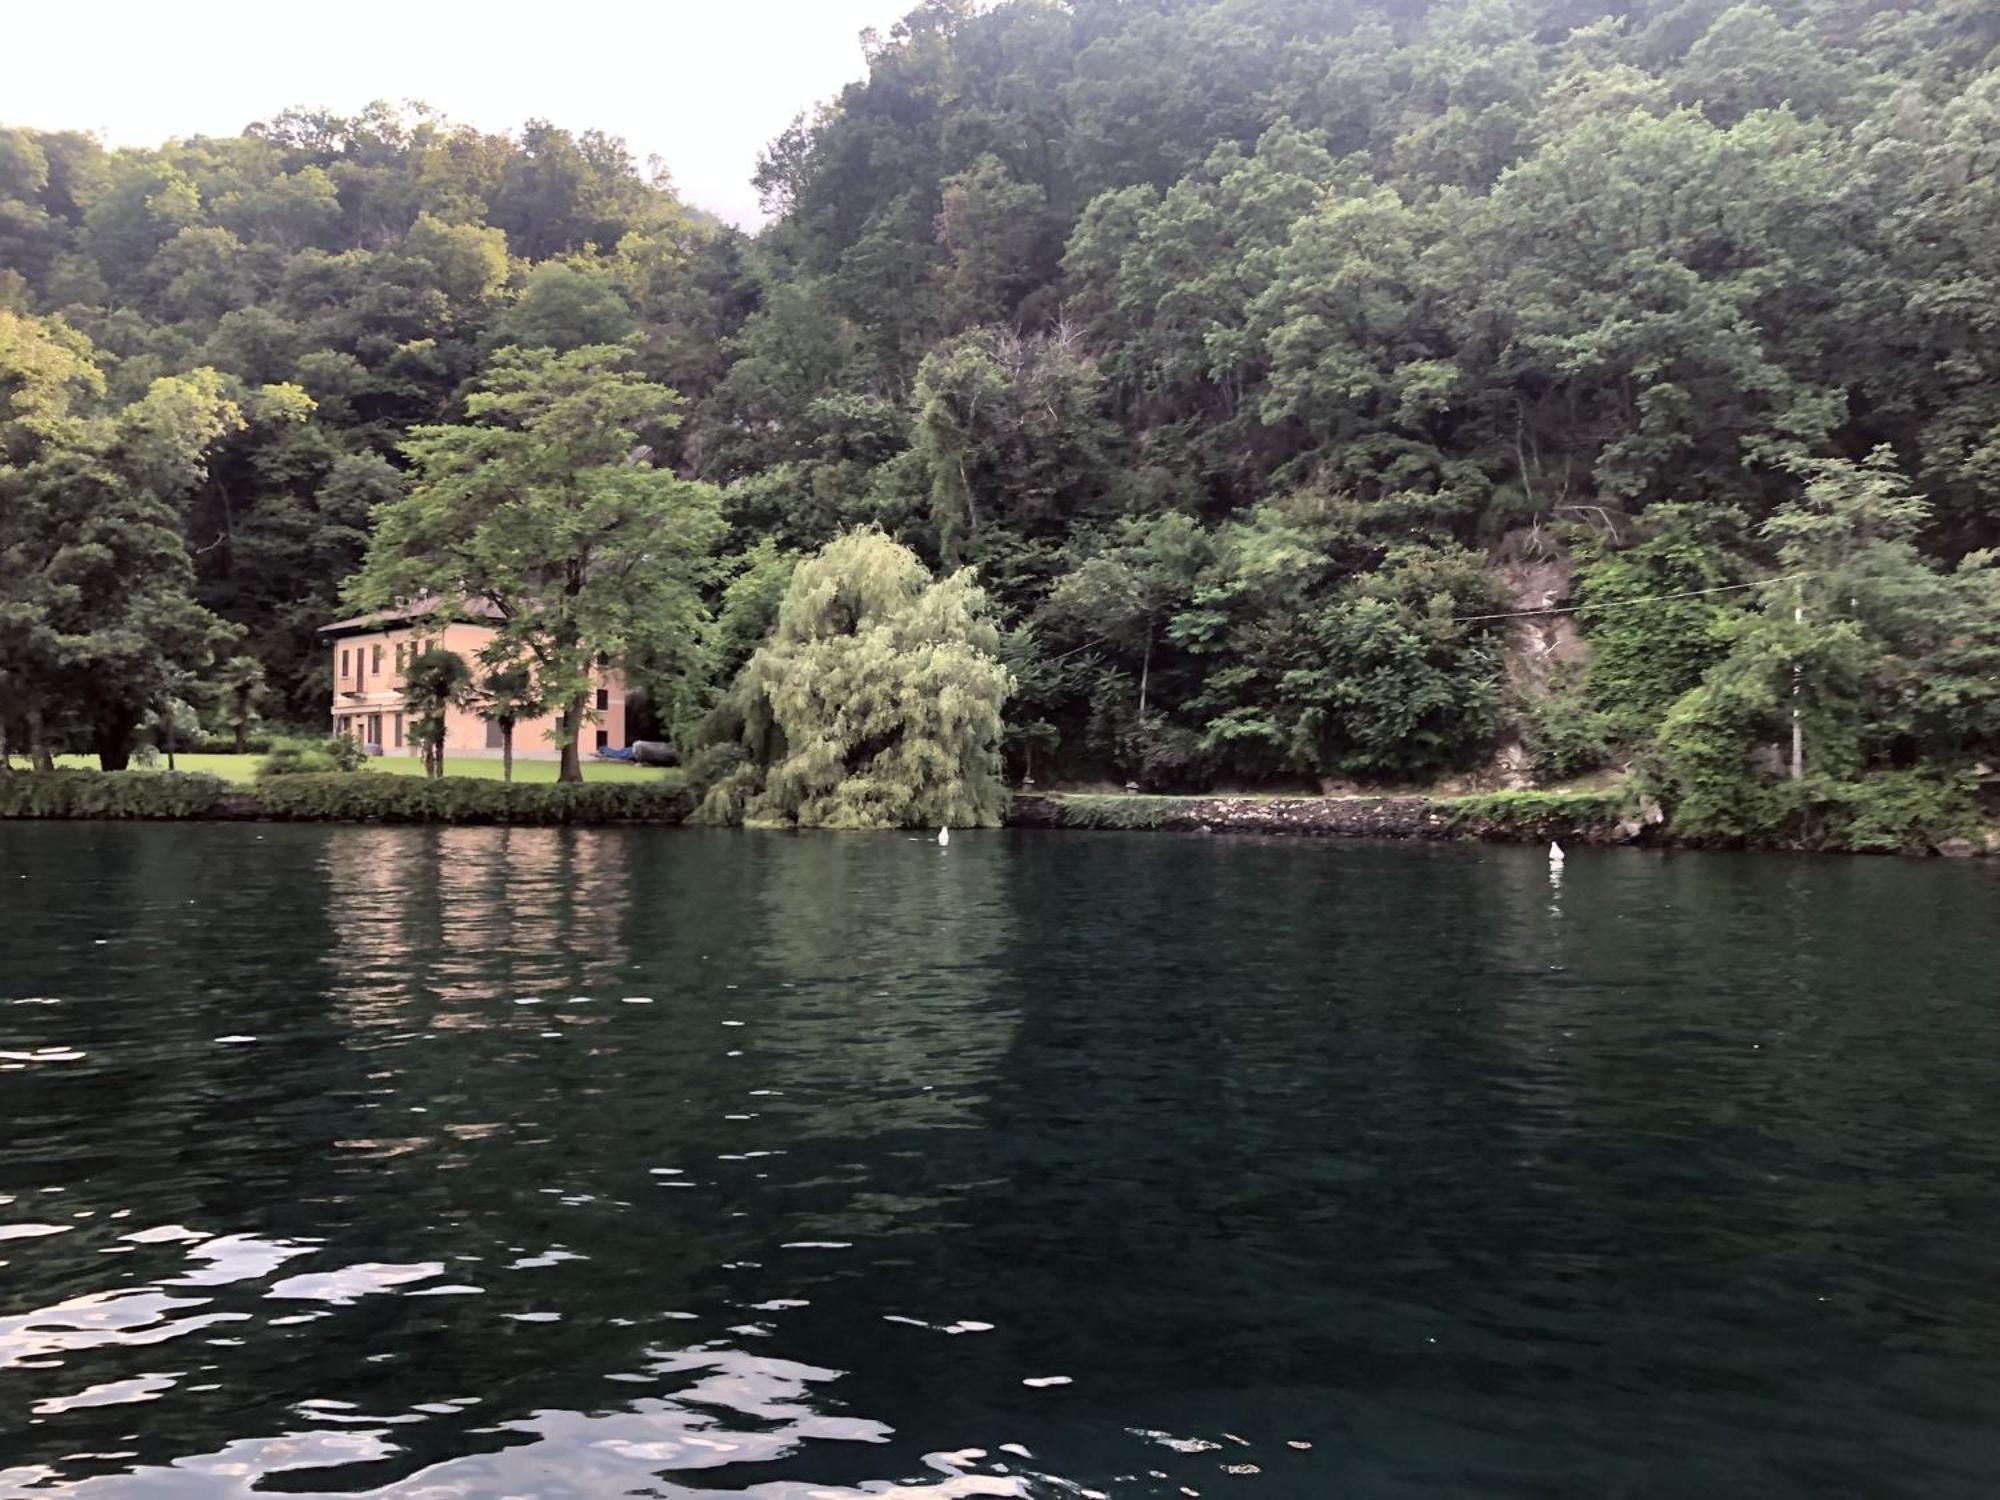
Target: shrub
(225, 744)
(309, 757)
(1564, 734)
(379, 797)
(1543, 814)
(109, 794)
(1885, 812)
(1128, 812)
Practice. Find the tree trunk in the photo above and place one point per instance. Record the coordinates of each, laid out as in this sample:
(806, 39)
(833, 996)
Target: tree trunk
(39, 757)
(572, 757)
(6, 749)
(506, 749)
(112, 739)
(242, 723)
(170, 743)
(1145, 673)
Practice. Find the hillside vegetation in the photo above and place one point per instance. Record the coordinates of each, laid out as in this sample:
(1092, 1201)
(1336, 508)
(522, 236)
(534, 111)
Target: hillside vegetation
(1241, 348)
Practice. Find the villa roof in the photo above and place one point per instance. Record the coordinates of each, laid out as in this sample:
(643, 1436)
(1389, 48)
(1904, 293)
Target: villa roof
(417, 609)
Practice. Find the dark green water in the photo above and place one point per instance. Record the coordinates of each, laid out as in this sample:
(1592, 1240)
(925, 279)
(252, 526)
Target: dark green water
(348, 1161)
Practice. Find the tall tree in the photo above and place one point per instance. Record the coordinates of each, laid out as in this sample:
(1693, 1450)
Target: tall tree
(876, 701)
(98, 622)
(545, 505)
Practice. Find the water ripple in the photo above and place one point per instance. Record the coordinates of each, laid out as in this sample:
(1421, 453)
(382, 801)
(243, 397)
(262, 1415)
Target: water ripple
(1078, 1167)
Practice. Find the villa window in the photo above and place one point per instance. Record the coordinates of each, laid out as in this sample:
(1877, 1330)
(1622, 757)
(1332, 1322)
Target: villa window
(603, 699)
(378, 661)
(603, 738)
(343, 664)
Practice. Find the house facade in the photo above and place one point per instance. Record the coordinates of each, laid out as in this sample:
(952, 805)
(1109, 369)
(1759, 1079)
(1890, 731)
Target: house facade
(370, 653)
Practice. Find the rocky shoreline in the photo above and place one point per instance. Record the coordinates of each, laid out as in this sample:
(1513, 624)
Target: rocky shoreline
(1608, 817)
(1381, 817)
(1595, 819)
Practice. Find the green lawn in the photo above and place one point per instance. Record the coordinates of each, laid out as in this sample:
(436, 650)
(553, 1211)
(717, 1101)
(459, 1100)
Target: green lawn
(242, 768)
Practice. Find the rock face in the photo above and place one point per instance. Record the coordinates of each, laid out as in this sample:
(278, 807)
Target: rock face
(1958, 849)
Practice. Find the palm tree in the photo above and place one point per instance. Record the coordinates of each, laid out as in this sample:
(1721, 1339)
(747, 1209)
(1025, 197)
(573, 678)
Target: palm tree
(436, 681)
(243, 693)
(507, 696)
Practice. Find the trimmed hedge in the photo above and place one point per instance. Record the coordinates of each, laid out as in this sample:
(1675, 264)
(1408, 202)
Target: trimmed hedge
(110, 794)
(378, 797)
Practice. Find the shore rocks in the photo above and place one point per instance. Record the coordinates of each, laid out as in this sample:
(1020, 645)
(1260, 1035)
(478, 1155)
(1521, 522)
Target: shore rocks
(1325, 817)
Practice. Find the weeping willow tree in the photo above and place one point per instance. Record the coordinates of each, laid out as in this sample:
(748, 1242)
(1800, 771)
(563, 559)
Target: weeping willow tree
(875, 703)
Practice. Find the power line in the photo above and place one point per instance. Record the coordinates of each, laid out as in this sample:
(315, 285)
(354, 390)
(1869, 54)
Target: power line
(1571, 609)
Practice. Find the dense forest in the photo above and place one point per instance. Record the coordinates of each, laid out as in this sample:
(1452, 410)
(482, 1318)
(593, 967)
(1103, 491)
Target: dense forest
(1264, 360)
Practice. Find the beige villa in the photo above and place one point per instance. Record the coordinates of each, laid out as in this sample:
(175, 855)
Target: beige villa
(370, 652)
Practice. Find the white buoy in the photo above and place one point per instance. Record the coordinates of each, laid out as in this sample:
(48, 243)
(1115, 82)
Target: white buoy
(1555, 854)
(944, 836)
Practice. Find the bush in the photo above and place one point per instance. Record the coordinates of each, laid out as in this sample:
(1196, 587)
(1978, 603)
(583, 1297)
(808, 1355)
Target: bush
(224, 744)
(1886, 812)
(1542, 814)
(1112, 811)
(1564, 735)
(379, 797)
(309, 757)
(109, 794)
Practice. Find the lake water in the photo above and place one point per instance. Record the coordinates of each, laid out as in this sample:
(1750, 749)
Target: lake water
(423, 1163)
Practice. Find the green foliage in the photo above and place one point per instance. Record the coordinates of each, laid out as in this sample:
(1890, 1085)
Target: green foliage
(310, 757)
(241, 687)
(874, 704)
(1887, 812)
(372, 797)
(99, 628)
(1651, 629)
(1536, 814)
(256, 744)
(1564, 734)
(109, 794)
(1228, 340)
(1077, 810)
(505, 695)
(546, 505)
(435, 681)
(1874, 653)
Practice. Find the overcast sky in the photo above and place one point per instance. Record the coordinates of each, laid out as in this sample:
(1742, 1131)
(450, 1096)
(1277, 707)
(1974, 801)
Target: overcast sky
(704, 84)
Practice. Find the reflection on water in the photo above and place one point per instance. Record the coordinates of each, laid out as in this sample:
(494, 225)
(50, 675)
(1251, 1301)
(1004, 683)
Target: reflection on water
(443, 915)
(470, 1162)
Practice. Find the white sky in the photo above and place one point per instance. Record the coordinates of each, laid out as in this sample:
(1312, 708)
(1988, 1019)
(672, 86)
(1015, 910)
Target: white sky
(704, 84)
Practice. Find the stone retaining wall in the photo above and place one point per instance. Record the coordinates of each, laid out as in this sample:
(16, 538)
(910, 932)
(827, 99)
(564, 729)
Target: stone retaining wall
(1324, 817)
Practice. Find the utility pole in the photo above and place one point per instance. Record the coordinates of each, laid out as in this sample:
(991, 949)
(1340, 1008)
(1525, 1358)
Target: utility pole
(1798, 726)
